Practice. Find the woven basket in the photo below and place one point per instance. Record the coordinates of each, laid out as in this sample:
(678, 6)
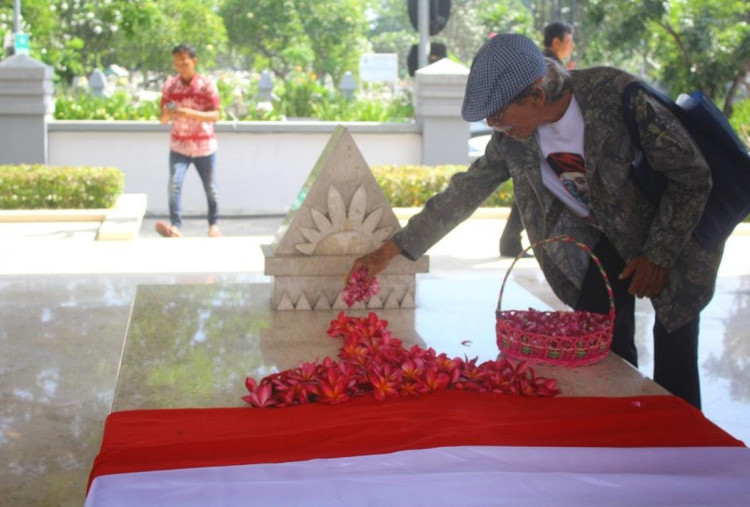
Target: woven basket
(519, 336)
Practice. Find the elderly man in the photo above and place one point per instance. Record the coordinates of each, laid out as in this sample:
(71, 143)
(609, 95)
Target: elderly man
(558, 45)
(554, 127)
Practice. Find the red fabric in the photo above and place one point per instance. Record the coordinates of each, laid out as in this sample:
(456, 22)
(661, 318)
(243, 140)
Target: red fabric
(144, 440)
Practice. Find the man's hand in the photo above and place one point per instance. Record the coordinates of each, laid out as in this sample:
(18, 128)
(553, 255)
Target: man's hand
(187, 112)
(165, 116)
(375, 261)
(648, 278)
(194, 114)
(183, 112)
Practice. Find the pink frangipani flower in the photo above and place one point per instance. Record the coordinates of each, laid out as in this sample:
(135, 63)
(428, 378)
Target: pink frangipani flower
(358, 288)
(372, 361)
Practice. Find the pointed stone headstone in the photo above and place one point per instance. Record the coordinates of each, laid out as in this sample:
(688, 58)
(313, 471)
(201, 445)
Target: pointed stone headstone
(339, 214)
(340, 210)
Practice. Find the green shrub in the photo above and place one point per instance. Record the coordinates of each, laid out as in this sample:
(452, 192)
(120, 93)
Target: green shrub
(45, 187)
(412, 185)
(407, 186)
(300, 96)
(297, 95)
(338, 108)
(119, 106)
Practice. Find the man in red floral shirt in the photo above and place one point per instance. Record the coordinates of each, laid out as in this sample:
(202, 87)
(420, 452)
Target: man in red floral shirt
(191, 102)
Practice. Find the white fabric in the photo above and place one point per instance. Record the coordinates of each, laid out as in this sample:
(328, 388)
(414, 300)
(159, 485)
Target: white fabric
(563, 136)
(517, 476)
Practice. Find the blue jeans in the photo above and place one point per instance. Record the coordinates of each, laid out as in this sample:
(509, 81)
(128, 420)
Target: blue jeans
(178, 166)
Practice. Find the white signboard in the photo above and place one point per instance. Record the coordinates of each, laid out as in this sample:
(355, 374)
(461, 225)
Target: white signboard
(378, 67)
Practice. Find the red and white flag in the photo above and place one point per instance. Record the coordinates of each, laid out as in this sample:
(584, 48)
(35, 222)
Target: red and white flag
(447, 448)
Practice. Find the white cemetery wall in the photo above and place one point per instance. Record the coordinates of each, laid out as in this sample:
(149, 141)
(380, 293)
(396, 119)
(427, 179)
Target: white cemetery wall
(261, 165)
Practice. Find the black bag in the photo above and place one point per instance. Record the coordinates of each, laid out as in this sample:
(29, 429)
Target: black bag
(727, 157)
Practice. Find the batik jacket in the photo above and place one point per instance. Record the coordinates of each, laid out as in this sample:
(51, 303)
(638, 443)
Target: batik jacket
(632, 223)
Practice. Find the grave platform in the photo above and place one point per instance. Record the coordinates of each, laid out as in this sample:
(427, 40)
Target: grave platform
(193, 345)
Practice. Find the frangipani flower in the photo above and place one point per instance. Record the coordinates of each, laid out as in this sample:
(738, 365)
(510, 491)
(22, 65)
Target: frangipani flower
(372, 361)
(358, 288)
(260, 396)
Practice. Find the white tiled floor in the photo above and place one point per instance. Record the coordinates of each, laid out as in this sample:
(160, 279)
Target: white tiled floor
(65, 301)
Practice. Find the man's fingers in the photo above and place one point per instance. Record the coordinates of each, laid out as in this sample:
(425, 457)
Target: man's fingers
(627, 271)
(370, 274)
(634, 289)
(648, 278)
(375, 261)
(354, 268)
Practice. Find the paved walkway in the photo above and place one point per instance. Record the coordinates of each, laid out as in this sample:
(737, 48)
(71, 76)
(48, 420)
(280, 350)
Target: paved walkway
(68, 248)
(65, 301)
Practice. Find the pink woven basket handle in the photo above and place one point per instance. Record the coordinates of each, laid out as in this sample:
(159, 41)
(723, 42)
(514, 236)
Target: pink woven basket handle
(585, 248)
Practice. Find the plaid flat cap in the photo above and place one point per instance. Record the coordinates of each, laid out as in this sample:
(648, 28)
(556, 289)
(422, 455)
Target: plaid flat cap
(502, 68)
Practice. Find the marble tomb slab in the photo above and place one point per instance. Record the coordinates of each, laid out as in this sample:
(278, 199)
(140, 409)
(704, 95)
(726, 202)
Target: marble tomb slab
(193, 345)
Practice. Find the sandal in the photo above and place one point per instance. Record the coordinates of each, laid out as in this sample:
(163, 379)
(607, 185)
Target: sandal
(168, 231)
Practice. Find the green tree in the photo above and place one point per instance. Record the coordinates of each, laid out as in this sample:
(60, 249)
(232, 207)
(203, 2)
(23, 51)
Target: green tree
(150, 29)
(501, 17)
(684, 45)
(322, 36)
(336, 34)
(391, 32)
(38, 20)
(76, 36)
(681, 44)
(705, 44)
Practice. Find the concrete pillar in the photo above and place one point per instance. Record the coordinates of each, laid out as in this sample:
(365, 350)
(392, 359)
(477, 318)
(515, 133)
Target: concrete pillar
(26, 105)
(439, 95)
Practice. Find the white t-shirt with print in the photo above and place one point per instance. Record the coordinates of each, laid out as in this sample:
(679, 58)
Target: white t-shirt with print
(564, 136)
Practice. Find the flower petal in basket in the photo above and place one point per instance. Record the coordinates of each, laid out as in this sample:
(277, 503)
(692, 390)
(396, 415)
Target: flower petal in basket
(573, 338)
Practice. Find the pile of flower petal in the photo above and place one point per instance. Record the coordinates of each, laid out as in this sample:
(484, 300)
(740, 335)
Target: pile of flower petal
(556, 323)
(358, 289)
(373, 362)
